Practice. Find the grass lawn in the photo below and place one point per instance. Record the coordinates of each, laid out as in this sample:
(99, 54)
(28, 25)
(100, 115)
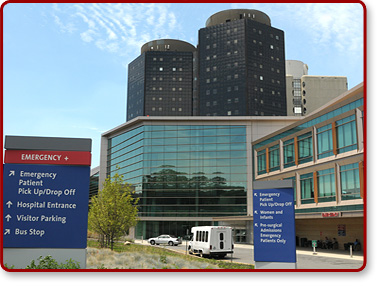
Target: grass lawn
(135, 256)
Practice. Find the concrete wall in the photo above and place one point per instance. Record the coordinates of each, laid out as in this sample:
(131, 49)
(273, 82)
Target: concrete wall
(318, 90)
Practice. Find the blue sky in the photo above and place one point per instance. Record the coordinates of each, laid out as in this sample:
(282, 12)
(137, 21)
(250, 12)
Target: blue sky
(65, 64)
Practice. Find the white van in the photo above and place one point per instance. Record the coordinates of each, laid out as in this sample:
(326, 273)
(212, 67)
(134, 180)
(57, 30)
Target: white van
(214, 241)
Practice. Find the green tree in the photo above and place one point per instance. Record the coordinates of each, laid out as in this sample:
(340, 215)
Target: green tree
(113, 210)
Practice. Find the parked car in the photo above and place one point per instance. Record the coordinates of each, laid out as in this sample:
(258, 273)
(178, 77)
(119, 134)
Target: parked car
(165, 239)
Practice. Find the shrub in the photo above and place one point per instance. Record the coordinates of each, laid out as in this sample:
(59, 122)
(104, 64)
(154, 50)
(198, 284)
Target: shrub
(49, 263)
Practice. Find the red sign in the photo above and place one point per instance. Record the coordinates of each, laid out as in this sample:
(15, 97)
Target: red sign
(332, 214)
(47, 157)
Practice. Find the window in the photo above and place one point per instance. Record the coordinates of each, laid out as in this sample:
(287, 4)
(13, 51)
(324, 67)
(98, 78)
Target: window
(297, 110)
(326, 185)
(289, 156)
(261, 162)
(274, 158)
(305, 148)
(325, 141)
(307, 188)
(346, 134)
(350, 181)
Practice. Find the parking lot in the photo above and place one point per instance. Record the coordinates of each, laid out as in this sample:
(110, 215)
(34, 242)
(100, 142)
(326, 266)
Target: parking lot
(323, 259)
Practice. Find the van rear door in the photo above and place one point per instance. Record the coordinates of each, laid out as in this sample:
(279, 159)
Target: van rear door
(221, 238)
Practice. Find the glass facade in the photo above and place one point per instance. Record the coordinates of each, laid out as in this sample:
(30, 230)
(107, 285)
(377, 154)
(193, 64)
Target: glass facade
(184, 171)
(322, 155)
(325, 141)
(312, 122)
(350, 181)
(346, 130)
(305, 148)
(274, 158)
(261, 162)
(289, 155)
(307, 188)
(326, 185)
(331, 139)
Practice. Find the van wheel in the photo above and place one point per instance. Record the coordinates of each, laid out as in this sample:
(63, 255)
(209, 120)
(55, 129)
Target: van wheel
(202, 255)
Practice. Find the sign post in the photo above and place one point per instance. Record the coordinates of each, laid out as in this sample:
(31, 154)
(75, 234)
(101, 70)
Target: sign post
(314, 245)
(274, 225)
(45, 199)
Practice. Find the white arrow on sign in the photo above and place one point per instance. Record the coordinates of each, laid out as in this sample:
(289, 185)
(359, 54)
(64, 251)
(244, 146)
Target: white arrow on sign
(8, 217)
(255, 194)
(11, 173)
(256, 225)
(7, 231)
(9, 203)
(255, 212)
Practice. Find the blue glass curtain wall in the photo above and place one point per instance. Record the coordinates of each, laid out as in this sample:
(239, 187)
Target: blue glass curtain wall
(197, 171)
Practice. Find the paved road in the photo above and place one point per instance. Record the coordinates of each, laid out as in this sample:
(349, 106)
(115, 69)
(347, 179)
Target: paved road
(305, 257)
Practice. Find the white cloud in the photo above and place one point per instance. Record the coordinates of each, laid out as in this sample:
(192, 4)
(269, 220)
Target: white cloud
(337, 25)
(115, 27)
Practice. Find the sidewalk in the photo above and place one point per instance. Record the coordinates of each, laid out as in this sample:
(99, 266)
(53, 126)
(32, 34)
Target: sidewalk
(336, 253)
(333, 253)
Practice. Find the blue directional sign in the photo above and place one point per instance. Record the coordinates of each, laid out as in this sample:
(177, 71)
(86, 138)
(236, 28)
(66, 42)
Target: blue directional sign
(45, 206)
(274, 225)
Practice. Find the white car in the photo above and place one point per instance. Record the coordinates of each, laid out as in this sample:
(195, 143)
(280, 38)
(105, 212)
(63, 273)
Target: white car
(164, 239)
